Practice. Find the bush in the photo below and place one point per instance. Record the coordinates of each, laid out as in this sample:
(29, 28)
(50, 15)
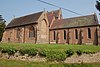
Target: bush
(89, 52)
(30, 52)
(23, 51)
(56, 56)
(79, 52)
(0, 49)
(42, 52)
(69, 52)
(10, 51)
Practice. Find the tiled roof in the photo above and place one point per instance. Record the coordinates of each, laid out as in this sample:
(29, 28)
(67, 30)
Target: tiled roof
(88, 20)
(51, 15)
(28, 19)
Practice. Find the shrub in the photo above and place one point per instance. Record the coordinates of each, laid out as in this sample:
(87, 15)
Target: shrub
(69, 52)
(42, 52)
(89, 51)
(79, 52)
(23, 51)
(0, 49)
(10, 51)
(56, 56)
(30, 52)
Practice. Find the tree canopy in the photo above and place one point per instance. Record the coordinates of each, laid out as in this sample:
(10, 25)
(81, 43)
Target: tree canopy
(2, 26)
(98, 5)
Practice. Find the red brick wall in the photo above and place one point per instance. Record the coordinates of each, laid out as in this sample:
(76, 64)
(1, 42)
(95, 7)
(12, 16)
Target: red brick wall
(12, 34)
(72, 39)
(42, 35)
(41, 32)
(99, 35)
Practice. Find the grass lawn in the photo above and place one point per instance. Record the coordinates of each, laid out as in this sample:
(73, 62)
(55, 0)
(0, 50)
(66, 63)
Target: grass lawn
(16, 63)
(55, 47)
(58, 47)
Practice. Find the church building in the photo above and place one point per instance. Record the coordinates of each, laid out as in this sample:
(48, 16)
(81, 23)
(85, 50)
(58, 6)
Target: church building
(51, 28)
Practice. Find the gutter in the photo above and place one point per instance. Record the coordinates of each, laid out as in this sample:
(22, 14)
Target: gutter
(72, 27)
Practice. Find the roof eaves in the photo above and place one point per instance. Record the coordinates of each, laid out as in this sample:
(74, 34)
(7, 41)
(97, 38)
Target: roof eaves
(72, 27)
(20, 25)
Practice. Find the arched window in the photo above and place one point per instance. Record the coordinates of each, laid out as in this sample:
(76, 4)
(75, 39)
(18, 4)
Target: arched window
(31, 32)
(18, 35)
(64, 34)
(89, 33)
(76, 34)
(54, 35)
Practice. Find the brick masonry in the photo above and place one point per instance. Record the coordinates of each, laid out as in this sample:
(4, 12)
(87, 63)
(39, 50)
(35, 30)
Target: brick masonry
(41, 32)
(71, 37)
(44, 34)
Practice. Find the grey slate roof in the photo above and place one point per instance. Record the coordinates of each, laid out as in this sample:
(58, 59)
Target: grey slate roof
(88, 20)
(24, 20)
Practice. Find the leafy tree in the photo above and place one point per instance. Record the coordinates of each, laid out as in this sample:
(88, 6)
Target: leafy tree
(2, 26)
(98, 5)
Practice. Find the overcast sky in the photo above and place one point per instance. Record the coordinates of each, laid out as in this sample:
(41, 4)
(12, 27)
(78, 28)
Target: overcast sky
(17, 8)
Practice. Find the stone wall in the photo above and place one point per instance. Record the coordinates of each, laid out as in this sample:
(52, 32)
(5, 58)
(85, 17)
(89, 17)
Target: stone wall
(42, 33)
(42, 30)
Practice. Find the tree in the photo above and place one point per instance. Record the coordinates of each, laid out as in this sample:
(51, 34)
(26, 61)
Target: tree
(2, 26)
(98, 5)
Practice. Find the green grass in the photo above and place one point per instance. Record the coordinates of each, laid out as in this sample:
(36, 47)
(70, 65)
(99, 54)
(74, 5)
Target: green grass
(51, 47)
(16, 63)
(58, 47)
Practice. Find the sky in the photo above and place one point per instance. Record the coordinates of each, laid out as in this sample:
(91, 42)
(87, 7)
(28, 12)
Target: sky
(17, 8)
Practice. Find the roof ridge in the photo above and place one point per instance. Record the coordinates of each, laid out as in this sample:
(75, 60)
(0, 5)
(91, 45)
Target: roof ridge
(80, 16)
(76, 17)
(23, 20)
(53, 10)
(76, 21)
(27, 15)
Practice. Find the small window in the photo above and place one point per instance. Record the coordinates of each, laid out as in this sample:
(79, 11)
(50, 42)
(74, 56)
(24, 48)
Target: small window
(31, 32)
(89, 33)
(64, 34)
(76, 34)
(54, 35)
